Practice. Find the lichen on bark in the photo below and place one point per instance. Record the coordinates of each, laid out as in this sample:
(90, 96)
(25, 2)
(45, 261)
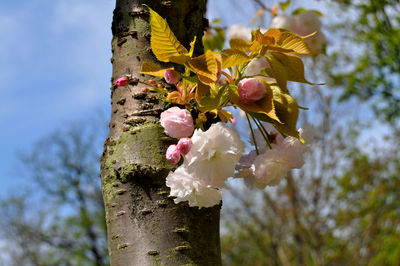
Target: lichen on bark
(144, 226)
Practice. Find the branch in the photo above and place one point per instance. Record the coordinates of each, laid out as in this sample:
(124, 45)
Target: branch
(262, 5)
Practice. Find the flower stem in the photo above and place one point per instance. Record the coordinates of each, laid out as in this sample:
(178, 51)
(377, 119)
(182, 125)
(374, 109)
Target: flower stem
(154, 88)
(263, 132)
(252, 134)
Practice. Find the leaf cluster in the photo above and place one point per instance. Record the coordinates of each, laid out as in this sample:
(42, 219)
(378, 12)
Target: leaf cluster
(209, 94)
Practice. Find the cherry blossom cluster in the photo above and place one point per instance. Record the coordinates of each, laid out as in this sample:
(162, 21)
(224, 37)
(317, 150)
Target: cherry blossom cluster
(210, 157)
(210, 161)
(200, 96)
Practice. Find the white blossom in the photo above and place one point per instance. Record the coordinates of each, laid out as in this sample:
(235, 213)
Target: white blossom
(254, 67)
(186, 187)
(271, 165)
(317, 41)
(239, 31)
(245, 166)
(214, 154)
(207, 165)
(284, 22)
(307, 23)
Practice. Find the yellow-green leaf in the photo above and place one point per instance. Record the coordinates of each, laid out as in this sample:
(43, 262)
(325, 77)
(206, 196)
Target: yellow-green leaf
(303, 10)
(209, 104)
(294, 42)
(164, 44)
(232, 57)
(192, 43)
(263, 106)
(259, 40)
(278, 72)
(201, 90)
(153, 69)
(284, 5)
(206, 66)
(293, 65)
(274, 33)
(239, 44)
(287, 110)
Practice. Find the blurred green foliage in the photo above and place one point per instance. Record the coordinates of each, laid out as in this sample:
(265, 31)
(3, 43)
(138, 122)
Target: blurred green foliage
(56, 217)
(214, 37)
(375, 75)
(343, 207)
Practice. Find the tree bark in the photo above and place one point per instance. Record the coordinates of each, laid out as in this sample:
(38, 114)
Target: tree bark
(144, 226)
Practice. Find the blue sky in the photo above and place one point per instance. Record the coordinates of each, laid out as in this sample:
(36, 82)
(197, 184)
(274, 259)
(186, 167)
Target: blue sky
(55, 67)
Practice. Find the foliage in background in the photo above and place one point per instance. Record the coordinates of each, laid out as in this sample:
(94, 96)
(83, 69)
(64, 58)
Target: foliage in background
(373, 33)
(58, 217)
(342, 208)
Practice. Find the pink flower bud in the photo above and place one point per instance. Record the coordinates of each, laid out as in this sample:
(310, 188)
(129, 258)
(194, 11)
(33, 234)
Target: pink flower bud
(152, 81)
(171, 76)
(251, 90)
(122, 81)
(173, 154)
(145, 89)
(233, 121)
(184, 145)
(177, 123)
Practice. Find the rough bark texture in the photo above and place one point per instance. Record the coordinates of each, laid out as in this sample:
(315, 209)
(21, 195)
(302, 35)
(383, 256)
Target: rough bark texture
(145, 227)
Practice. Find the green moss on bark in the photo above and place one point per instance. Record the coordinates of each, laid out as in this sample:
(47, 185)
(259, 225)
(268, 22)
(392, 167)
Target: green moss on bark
(146, 152)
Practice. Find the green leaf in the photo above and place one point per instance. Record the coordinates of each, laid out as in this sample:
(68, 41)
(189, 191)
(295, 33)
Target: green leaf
(299, 11)
(164, 44)
(153, 69)
(214, 41)
(213, 104)
(303, 10)
(190, 80)
(284, 5)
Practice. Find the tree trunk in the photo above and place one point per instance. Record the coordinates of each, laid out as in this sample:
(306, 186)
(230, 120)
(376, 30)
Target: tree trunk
(145, 227)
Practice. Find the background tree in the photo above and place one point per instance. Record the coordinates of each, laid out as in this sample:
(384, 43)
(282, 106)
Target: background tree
(341, 207)
(371, 69)
(58, 218)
